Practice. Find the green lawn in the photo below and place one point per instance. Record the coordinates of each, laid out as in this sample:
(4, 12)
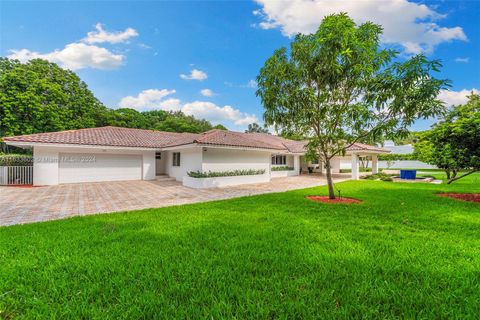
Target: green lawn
(403, 253)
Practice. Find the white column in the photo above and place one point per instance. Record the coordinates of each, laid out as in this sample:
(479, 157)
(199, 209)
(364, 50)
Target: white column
(296, 164)
(355, 167)
(374, 163)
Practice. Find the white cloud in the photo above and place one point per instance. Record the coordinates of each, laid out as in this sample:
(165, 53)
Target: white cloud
(463, 60)
(454, 98)
(214, 113)
(207, 93)
(151, 99)
(195, 74)
(250, 84)
(83, 54)
(101, 35)
(144, 46)
(411, 25)
(74, 56)
(171, 104)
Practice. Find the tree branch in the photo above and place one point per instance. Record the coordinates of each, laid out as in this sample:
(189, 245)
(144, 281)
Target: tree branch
(462, 176)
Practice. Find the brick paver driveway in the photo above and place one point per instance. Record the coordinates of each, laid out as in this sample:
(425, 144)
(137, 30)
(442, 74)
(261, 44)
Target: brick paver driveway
(25, 205)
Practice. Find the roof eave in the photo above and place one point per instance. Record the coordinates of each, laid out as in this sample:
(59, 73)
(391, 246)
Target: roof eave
(73, 145)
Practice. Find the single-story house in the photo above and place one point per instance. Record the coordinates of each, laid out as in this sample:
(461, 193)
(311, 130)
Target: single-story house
(113, 154)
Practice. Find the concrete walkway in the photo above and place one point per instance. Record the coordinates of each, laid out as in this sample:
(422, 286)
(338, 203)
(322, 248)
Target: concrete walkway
(25, 205)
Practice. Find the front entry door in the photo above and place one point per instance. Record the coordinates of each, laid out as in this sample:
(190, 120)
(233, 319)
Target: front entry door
(160, 158)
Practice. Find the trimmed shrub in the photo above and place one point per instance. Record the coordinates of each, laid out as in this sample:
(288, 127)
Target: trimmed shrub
(361, 170)
(378, 176)
(233, 173)
(283, 168)
(10, 159)
(397, 157)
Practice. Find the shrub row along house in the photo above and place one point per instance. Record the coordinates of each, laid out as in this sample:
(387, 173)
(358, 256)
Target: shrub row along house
(211, 159)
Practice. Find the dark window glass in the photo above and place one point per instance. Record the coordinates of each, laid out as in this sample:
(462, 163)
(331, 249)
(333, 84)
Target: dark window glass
(176, 159)
(279, 160)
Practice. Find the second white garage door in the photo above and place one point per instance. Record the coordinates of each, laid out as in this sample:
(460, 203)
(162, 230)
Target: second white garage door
(87, 167)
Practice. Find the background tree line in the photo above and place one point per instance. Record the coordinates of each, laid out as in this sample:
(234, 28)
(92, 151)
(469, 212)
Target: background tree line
(39, 96)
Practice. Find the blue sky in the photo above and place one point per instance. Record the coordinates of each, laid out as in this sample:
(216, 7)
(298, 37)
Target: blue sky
(134, 54)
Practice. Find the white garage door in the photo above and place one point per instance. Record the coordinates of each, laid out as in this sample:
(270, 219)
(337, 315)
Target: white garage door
(93, 167)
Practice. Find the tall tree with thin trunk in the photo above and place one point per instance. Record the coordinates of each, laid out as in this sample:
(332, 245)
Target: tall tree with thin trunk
(338, 86)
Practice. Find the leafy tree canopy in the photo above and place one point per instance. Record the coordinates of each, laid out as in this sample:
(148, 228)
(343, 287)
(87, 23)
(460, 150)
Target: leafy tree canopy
(220, 127)
(453, 144)
(39, 96)
(255, 127)
(338, 86)
(411, 138)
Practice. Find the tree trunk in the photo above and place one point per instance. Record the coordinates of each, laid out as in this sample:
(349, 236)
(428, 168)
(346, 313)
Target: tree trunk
(460, 177)
(447, 171)
(331, 192)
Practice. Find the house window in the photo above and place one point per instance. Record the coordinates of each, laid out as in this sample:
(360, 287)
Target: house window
(176, 159)
(279, 160)
(158, 155)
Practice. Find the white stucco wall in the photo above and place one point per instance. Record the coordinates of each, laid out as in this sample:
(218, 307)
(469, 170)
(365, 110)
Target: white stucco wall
(190, 160)
(218, 182)
(148, 170)
(215, 159)
(46, 161)
(283, 173)
(335, 164)
(45, 166)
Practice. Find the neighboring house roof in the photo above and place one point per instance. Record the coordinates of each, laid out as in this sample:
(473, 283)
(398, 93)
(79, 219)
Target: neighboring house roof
(357, 146)
(140, 138)
(403, 149)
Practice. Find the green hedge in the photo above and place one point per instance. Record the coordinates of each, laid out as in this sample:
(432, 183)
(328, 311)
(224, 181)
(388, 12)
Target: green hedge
(283, 168)
(10, 159)
(233, 173)
(378, 176)
(395, 156)
(350, 170)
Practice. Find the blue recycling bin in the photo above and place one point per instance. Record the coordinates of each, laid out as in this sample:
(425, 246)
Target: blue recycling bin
(408, 174)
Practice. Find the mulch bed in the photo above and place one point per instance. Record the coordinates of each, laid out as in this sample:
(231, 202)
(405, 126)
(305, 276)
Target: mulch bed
(325, 199)
(472, 197)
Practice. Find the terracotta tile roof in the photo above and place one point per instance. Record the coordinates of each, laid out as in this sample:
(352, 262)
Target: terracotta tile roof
(236, 139)
(109, 136)
(282, 143)
(139, 138)
(366, 147)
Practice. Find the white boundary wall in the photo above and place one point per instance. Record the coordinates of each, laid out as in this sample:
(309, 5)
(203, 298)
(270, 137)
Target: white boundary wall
(283, 173)
(218, 182)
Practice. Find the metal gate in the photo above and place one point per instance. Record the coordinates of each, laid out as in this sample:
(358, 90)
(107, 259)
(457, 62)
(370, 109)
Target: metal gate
(16, 175)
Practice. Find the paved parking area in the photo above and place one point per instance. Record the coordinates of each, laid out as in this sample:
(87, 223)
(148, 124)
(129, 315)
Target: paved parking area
(25, 205)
